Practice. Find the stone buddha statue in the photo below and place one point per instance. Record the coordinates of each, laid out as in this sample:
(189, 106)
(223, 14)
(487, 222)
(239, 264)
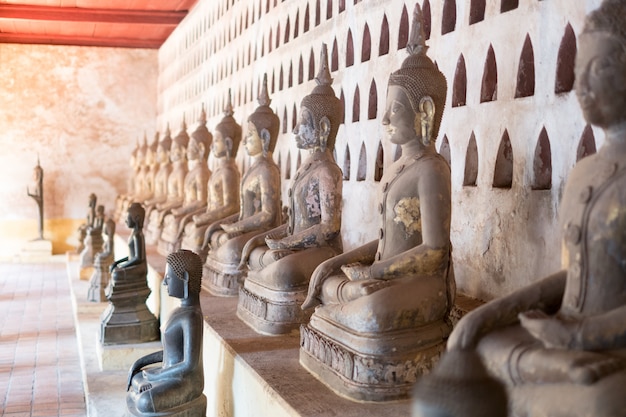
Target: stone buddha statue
(92, 243)
(120, 200)
(281, 261)
(175, 186)
(223, 186)
(127, 318)
(165, 168)
(259, 210)
(175, 388)
(152, 164)
(81, 232)
(559, 344)
(141, 179)
(195, 189)
(102, 264)
(382, 319)
(37, 195)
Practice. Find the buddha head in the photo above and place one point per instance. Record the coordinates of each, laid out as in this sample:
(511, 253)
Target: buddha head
(92, 200)
(416, 93)
(109, 228)
(152, 150)
(183, 274)
(227, 134)
(601, 65)
(178, 149)
(321, 112)
(459, 386)
(135, 217)
(143, 151)
(165, 144)
(200, 141)
(100, 210)
(263, 126)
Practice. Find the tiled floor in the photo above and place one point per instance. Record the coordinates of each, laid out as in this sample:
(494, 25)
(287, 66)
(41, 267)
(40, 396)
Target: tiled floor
(40, 372)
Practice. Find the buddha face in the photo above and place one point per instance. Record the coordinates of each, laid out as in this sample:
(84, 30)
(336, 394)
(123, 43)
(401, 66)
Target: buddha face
(601, 78)
(219, 147)
(399, 117)
(252, 141)
(194, 150)
(177, 152)
(306, 137)
(163, 155)
(175, 285)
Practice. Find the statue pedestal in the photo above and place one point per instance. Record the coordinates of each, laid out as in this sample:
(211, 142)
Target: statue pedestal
(121, 357)
(38, 250)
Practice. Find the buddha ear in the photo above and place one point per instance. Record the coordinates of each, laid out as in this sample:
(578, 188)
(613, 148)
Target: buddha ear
(265, 139)
(427, 117)
(186, 284)
(324, 132)
(229, 146)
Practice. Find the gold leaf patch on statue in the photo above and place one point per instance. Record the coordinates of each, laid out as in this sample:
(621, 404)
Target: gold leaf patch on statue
(407, 212)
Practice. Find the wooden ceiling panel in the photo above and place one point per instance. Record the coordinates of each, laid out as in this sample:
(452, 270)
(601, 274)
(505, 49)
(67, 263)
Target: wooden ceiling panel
(114, 23)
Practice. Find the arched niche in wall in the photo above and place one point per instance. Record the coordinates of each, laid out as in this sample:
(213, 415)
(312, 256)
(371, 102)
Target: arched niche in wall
(334, 57)
(285, 120)
(379, 168)
(459, 88)
(342, 5)
(508, 5)
(477, 11)
(290, 77)
(329, 9)
(300, 71)
(278, 163)
(503, 172)
(372, 106)
(318, 13)
(278, 35)
(311, 65)
(448, 20)
(542, 163)
(346, 164)
(470, 174)
(525, 86)
(383, 42)
(366, 45)
(403, 32)
(489, 85)
(342, 99)
(565, 62)
(287, 29)
(299, 160)
(361, 171)
(349, 50)
(294, 117)
(307, 17)
(280, 78)
(427, 18)
(267, 6)
(288, 166)
(587, 144)
(356, 105)
(296, 26)
(444, 149)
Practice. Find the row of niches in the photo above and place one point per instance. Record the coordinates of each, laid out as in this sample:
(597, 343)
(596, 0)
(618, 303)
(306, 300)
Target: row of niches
(284, 77)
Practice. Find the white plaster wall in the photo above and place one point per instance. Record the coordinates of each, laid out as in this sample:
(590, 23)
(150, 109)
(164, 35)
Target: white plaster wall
(502, 238)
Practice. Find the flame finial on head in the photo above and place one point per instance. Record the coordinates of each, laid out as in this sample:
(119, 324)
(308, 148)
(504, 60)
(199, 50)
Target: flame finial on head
(202, 118)
(168, 132)
(323, 76)
(264, 97)
(228, 110)
(183, 126)
(417, 38)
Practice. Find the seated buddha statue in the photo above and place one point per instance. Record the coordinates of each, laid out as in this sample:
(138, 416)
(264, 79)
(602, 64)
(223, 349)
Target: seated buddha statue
(259, 208)
(162, 175)
(280, 262)
(121, 199)
(195, 189)
(127, 318)
(141, 180)
(223, 185)
(92, 243)
(175, 186)
(383, 308)
(102, 264)
(81, 232)
(564, 336)
(175, 387)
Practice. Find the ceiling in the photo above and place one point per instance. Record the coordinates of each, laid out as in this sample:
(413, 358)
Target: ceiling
(112, 23)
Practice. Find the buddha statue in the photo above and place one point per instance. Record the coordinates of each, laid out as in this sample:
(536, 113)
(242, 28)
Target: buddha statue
(280, 261)
(160, 179)
(152, 169)
(141, 181)
(195, 189)
(127, 318)
(81, 232)
(559, 344)
(175, 186)
(223, 186)
(382, 318)
(259, 209)
(174, 389)
(92, 243)
(102, 264)
(37, 195)
(135, 166)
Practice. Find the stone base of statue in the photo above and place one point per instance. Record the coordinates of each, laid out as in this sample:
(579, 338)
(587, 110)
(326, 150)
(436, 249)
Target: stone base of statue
(38, 250)
(271, 312)
(93, 244)
(126, 318)
(222, 279)
(370, 367)
(195, 408)
(99, 279)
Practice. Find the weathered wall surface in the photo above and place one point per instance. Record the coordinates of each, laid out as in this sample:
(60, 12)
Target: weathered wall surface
(81, 110)
(509, 66)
